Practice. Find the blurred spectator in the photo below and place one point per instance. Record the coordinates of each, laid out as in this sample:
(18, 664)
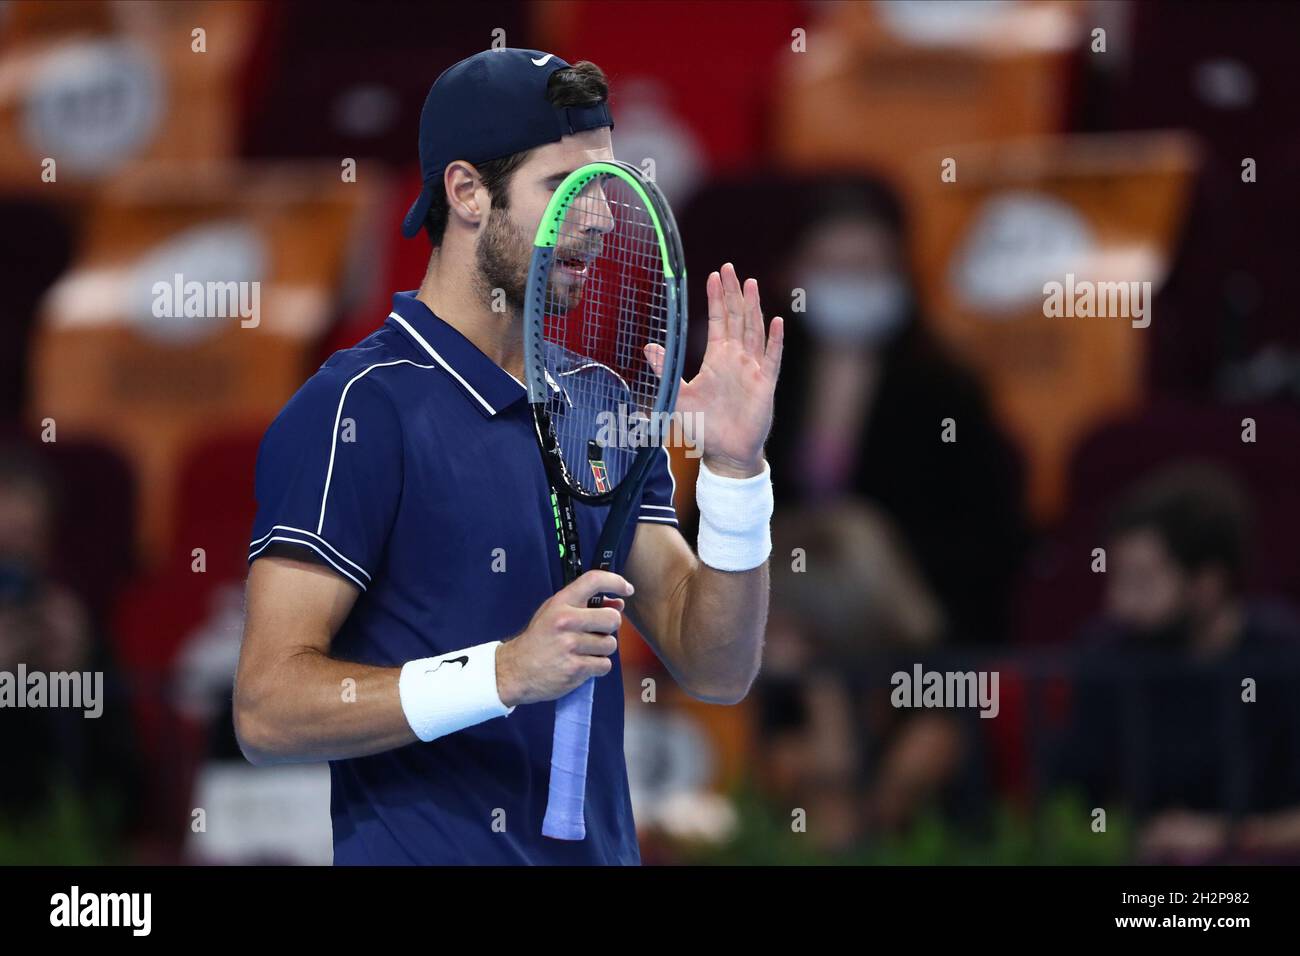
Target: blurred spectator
(851, 551)
(41, 622)
(1188, 702)
(862, 401)
(45, 626)
(848, 604)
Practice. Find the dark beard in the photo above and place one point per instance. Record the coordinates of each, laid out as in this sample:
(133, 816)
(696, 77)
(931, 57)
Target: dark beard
(502, 254)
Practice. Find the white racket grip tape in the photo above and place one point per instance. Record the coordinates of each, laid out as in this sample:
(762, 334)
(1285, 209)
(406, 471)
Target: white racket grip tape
(735, 519)
(450, 692)
(568, 787)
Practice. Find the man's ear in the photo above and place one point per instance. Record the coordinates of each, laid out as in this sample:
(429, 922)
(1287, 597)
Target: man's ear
(466, 194)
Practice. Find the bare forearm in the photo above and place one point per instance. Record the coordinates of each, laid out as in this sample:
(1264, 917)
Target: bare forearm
(310, 707)
(720, 638)
(705, 624)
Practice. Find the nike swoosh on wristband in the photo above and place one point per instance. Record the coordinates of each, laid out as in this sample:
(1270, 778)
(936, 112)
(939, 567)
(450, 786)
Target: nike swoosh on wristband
(462, 661)
(542, 61)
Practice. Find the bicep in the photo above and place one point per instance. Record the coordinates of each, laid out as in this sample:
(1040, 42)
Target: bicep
(291, 606)
(660, 566)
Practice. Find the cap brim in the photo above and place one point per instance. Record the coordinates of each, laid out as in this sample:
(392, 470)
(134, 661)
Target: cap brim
(414, 220)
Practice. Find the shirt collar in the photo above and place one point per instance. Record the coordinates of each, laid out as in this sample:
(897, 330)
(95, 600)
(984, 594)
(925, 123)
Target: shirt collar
(485, 383)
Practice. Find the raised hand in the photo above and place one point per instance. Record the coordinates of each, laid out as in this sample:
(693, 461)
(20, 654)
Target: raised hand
(732, 393)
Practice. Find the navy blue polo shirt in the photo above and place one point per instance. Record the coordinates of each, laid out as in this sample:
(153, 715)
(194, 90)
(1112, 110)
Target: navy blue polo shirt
(408, 465)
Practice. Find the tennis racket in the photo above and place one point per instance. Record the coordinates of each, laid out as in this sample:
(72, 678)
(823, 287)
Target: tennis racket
(607, 283)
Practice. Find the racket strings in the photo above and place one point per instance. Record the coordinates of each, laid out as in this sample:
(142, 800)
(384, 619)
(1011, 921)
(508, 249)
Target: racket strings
(606, 300)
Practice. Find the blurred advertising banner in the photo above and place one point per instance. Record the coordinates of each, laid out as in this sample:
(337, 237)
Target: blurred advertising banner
(1041, 259)
(88, 89)
(195, 302)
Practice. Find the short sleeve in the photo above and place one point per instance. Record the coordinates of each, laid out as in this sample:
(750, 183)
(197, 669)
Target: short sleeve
(657, 495)
(329, 476)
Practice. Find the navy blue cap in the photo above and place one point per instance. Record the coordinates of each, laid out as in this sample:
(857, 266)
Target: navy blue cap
(490, 105)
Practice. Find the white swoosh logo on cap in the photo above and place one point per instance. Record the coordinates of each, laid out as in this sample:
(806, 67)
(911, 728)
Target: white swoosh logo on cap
(542, 61)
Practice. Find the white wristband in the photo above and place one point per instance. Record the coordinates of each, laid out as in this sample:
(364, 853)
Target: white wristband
(447, 693)
(735, 519)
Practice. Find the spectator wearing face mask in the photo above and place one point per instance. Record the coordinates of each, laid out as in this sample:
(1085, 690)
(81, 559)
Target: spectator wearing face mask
(861, 405)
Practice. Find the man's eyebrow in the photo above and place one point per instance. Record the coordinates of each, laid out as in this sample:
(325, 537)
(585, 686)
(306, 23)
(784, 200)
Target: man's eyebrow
(558, 175)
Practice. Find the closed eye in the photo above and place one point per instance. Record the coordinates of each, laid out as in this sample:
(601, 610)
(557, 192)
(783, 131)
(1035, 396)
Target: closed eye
(553, 182)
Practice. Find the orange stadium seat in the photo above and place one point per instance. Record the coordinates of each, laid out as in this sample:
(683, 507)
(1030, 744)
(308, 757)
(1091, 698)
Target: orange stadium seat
(105, 364)
(888, 84)
(1021, 214)
(97, 86)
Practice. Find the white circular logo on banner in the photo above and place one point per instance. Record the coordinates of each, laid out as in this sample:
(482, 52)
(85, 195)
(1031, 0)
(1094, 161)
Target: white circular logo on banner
(1017, 241)
(92, 106)
(938, 22)
(198, 283)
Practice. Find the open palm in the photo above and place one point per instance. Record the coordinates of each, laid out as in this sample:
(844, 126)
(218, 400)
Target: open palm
(732, 393)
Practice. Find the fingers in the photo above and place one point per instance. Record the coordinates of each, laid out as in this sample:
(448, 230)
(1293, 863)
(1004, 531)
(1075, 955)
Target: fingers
(584, 666)
(717, 309)
(594, 645)
(775, 345)
(736, 312)
(655, 355)
(592, 583)
(590, 620)
(753, 319)
(734, 302)
(726, 305)
(587, 655)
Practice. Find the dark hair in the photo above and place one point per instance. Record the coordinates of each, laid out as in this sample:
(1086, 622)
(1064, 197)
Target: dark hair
(583, 84)
(21, 466)
(1199, 512)
(835, 197)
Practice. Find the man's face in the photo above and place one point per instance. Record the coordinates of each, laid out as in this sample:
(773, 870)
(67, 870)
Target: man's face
(1146, 590)
(505, 245)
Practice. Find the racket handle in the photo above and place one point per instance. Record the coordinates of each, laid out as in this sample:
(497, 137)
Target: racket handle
(568, 788)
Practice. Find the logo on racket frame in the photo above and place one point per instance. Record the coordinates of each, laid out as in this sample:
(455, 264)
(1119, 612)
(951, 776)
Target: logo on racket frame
(596, 458)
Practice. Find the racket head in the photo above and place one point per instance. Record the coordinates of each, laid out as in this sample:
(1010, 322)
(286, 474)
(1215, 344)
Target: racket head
(607, 278)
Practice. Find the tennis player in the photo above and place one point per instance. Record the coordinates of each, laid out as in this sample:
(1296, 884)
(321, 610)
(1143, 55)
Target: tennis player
(404, 616)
